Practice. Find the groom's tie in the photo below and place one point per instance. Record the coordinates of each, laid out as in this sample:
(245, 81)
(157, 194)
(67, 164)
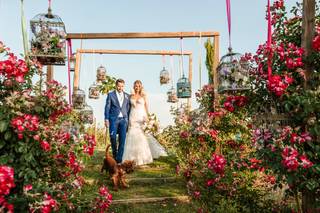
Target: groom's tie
(121, 99)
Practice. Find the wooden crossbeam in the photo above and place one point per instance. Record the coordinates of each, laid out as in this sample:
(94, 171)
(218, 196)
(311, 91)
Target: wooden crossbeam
(141, 35)
(134, 52)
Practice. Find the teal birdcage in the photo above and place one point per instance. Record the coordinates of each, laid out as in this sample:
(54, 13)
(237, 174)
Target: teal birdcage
(86, 114)
(48, 39)
(78, 99)
(233, 74)
(183, 88)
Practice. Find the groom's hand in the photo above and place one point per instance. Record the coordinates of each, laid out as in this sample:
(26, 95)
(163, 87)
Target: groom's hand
(106, 123)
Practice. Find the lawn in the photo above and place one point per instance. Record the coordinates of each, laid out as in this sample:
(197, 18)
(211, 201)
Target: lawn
(157, 180)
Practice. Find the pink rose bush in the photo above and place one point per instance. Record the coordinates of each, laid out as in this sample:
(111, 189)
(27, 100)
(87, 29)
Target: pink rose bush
(214, 154)
(288, 148)
(229, 154)
(6, 184)
(42, 141)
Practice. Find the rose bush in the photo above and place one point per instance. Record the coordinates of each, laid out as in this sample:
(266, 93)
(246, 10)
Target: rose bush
(215, 156)
(289, 149)
(42, 141)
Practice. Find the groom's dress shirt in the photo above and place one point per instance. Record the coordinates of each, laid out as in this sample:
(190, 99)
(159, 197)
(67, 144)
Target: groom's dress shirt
(120, 97)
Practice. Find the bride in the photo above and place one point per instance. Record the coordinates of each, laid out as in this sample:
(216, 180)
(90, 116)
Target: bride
(140, 147)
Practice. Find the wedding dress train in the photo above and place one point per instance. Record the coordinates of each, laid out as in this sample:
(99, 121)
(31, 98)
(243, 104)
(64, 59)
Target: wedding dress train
(140, 147)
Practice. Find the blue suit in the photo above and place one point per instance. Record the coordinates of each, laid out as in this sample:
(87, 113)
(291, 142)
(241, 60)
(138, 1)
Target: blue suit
(117, 125)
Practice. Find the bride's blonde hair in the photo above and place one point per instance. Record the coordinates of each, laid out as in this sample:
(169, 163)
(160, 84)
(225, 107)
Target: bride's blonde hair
(141, 92)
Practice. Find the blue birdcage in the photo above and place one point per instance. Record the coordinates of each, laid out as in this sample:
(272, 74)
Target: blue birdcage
(233, 74)
(183, 88)
(48, 39)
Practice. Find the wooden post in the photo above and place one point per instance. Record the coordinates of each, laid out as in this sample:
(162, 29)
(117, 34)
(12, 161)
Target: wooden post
(49, 73)
(215, 82)
(214, 68)
(190, 79)
(76, 72)
(308, 25)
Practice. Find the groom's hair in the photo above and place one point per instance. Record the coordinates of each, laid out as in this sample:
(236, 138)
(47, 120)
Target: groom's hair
(119, 81)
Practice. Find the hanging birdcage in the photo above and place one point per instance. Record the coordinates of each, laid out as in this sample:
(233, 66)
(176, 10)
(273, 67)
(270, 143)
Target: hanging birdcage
(183, 88)
(233, 74)
(86, 114)
(172, 96)
(101, 74)
(48, 39)
(164, 76)
(78, 99)
(94, 91)
(271, 115)
(72, 62)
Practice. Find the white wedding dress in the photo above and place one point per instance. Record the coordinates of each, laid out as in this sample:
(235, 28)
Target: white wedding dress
(140, 147)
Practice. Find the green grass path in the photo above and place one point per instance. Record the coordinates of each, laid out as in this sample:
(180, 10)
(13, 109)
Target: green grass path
(147, 186)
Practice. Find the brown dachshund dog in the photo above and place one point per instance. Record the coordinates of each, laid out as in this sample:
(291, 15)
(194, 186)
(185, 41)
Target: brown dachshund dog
(117, 171)
(128, 166)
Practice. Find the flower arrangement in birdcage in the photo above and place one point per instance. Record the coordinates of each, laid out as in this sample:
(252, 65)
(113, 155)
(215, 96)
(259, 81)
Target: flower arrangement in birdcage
(86, 114)
(94, 91)
(164, 76)
(233, 73)
(101, 74)
(48, 39)
(172, 96)
(78, 99)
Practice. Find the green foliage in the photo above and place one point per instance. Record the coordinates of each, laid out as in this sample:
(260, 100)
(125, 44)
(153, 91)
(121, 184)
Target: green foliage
(209, 58)
(107, 85)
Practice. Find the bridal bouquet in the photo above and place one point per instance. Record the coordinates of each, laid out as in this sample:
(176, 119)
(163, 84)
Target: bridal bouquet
(151, 126)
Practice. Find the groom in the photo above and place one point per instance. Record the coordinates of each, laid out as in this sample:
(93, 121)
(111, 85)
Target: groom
(116, 116)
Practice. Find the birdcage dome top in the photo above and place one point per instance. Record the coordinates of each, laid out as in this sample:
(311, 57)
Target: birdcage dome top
(79, 92)
(183, 80)
(101, 69)
(48, 18)
(230, 57)
(164, 71)
(172, 90)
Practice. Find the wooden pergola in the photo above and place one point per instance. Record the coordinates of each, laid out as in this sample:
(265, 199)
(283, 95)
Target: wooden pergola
(125, 52)
(149, 35)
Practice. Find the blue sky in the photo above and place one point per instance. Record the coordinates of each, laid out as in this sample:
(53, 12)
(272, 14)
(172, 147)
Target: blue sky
(249, 29)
